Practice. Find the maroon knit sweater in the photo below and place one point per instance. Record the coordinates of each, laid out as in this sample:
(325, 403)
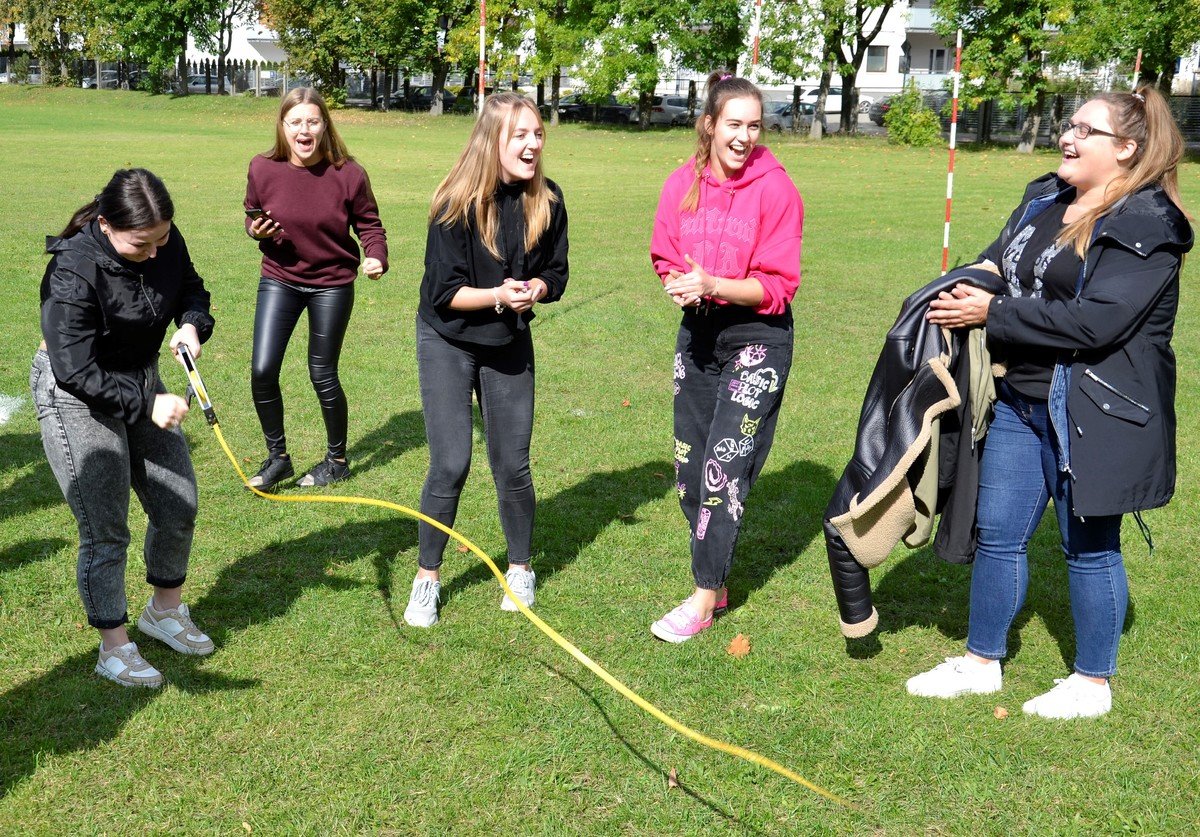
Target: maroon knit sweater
(317, 207)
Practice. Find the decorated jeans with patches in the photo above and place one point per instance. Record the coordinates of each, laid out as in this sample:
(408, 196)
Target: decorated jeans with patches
(96, 460)
(730, 370)
(501, 377)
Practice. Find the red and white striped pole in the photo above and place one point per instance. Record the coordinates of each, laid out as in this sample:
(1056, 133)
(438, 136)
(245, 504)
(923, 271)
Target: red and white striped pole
(953, 143)
(482, 53)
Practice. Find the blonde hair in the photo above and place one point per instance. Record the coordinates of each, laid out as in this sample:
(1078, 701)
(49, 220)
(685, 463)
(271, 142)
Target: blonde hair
(332, 149)
(1144, 118)
(467, 192)
(722, 87)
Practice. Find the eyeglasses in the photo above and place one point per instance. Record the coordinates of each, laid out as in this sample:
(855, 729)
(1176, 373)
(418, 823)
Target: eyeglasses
(297, 124)
(1082, 130)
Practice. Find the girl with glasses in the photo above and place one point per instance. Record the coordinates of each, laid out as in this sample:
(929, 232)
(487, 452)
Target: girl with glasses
(1086, 410)
(304, 198)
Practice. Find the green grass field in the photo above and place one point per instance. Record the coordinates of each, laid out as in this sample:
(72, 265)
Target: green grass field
(322, 712)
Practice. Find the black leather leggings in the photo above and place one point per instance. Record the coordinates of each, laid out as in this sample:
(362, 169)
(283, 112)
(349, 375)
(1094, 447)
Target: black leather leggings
(279, 307)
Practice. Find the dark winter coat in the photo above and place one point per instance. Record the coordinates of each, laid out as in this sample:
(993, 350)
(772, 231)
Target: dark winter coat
(104, 318)
(1115, 363)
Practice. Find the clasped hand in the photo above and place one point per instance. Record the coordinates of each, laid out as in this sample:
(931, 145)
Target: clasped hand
(521, 296)
(961, 307)
(689, 288)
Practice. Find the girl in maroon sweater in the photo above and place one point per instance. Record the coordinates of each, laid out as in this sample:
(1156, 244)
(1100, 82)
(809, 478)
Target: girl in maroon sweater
(303, 199)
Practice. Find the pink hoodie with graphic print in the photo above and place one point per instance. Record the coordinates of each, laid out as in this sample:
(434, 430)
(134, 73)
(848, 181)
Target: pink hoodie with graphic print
(748, 225)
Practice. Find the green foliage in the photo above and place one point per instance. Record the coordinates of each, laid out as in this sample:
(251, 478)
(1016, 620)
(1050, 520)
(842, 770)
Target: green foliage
(19, 68)
(1003, 42)
(910, 122)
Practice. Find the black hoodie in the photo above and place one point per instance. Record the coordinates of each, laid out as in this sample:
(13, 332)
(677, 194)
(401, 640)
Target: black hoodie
(104, 318)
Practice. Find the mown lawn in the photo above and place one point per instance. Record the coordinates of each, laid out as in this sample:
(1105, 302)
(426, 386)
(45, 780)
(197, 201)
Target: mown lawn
(322, 712)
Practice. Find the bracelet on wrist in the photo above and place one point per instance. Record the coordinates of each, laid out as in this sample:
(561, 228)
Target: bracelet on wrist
(496, 296)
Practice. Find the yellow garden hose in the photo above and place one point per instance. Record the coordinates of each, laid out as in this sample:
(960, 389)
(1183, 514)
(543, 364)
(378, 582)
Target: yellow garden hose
(201, 393)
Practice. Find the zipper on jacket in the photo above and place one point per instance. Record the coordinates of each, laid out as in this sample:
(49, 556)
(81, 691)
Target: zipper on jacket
(142, 285)
(1115, 391)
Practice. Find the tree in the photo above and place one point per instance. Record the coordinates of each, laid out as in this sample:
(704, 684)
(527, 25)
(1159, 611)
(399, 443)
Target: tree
(1004, 44)
(216, 33)
(1097, 32)
(155, 32)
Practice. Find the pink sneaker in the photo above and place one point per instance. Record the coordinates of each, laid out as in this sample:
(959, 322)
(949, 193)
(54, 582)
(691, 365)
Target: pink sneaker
(680, 625)
(722, 604)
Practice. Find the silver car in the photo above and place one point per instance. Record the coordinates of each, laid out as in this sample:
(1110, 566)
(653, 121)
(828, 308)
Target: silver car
(777, 116)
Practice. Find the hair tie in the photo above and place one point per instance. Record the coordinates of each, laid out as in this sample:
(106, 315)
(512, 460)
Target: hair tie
(1140, 98)
(724, 77)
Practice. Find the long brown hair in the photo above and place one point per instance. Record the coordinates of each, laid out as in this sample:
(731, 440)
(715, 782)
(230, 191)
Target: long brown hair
(332, 148)
(722, 87)
(469, 188)
(1144, 118)
(133, 199)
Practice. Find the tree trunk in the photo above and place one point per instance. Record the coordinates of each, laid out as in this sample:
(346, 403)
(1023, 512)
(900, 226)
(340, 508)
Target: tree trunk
(1031, 125)
(555, 86)
(849, 117)
(818, 124)
(181, 66)
(440, 70)
(645, 103)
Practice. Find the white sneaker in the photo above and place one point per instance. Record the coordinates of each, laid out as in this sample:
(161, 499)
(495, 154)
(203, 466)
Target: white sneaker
(1072, 697)
(176, 628)
(422, 610)
(957, 676)
(522, 583)
(126, 666)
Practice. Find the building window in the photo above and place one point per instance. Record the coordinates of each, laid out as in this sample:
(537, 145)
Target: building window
(937, 60)
(876, 59)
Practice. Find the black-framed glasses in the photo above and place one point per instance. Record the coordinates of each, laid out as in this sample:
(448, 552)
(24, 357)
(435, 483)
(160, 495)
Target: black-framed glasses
(1082, 130)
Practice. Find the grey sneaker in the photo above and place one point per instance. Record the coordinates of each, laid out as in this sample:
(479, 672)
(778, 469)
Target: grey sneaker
(422, 610)
(126, 666)
(176, 628)
(522, 583)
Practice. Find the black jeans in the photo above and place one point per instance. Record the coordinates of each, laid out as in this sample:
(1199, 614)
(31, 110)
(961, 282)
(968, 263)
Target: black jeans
(501, 377)
(731, 366)
(279, 307)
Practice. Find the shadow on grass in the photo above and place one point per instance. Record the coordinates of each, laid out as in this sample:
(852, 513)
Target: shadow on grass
(69, 708)
(783, 515)
(575, 516)
(398, 435)
(29, 551)
(729, 818)
(34, 490)
(922, 590)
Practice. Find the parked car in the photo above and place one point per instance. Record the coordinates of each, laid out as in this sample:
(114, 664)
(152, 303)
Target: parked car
(575, 108)
(833, 99)
(464, 99)
(106, 81)
(198, 84)
(777, 116)
(666, 110)
(418, 99)
(878, 109)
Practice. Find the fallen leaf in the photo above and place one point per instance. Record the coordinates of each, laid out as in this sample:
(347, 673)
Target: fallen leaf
(672, 779)
(1000, 712)
(739, 646)
(625, 403)
(246, 826)
(79, 626)
(462, 547)
(659, 474)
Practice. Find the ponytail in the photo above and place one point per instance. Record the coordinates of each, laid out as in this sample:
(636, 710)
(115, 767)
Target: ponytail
(134, 199)
(720, 89)
(1145, 118)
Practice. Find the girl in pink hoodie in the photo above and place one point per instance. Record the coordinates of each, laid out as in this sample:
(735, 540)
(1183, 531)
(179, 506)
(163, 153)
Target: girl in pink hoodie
(726, 246)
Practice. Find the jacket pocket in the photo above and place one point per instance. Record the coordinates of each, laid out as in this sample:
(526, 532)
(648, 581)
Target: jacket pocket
(1113, 401)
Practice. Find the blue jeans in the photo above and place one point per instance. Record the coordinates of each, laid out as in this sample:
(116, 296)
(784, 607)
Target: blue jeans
(1018, 477)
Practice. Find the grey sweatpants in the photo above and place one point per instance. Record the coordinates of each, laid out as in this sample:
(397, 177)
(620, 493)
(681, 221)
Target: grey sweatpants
(96, 460)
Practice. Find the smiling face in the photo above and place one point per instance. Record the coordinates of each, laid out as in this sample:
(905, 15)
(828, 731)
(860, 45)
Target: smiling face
(1096, 160)
(137, 245)
(303, 128)
(521, 147)
(734, 134)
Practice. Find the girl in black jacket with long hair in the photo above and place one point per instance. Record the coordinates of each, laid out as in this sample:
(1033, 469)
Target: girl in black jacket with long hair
(119, 275)
(1086, 412)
